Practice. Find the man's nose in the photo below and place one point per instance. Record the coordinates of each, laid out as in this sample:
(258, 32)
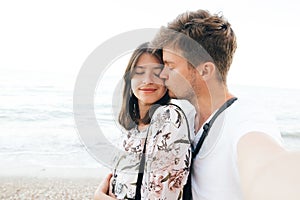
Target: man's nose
(164, 74)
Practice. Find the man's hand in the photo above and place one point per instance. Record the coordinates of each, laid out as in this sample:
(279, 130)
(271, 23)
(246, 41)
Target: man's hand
(103, 190)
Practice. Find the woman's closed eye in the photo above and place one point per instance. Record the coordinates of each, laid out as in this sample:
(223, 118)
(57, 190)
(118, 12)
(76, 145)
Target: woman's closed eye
(139, 70)
(139, 73)
(157, 71)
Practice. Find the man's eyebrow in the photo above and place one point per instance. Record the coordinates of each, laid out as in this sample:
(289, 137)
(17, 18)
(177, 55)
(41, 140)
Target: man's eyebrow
(168, 62)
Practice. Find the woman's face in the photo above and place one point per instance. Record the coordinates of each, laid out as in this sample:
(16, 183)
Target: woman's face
(145, 83)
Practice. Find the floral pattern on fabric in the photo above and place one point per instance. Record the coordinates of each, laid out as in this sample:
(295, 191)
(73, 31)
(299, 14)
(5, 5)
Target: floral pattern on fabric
(168, 157)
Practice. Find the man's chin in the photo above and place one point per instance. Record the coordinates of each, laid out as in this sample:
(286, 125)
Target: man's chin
(172, 95)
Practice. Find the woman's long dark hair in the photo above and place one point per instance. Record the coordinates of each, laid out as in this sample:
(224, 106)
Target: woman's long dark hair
(129, 115)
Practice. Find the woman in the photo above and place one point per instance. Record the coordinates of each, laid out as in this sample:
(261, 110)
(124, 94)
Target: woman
(155, 136)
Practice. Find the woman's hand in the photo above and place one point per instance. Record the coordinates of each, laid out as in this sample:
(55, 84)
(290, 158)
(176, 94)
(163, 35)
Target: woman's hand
(103, 190)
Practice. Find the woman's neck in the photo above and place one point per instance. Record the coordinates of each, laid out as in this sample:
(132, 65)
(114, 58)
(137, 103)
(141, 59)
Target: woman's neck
(143, 110)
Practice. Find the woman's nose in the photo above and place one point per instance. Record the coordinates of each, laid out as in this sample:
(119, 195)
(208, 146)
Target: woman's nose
(148, 79)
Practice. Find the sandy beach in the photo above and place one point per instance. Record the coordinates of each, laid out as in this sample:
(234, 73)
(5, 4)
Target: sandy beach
(50, 183)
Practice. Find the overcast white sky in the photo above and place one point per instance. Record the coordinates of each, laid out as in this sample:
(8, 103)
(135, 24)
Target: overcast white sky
(52, 39)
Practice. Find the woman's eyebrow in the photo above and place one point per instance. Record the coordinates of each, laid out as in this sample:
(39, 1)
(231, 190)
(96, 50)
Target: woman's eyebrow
(142, 67)
(158, 67)
(155, 67)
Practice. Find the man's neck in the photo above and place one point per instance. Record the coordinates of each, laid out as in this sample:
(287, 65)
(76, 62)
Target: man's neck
(207, 103)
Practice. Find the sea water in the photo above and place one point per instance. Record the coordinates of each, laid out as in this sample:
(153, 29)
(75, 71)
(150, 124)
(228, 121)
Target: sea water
(37, 126)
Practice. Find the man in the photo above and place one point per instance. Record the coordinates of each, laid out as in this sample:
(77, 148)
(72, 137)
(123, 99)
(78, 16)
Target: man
(242, 156)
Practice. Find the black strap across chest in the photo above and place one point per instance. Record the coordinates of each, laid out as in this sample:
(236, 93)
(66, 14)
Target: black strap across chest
(187, 190)
(209, 124)
(141, 172)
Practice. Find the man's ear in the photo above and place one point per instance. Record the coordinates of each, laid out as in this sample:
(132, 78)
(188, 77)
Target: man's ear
(206, 70)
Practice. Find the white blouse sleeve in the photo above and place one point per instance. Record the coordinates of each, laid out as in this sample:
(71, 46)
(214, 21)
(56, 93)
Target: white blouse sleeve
(168, 155)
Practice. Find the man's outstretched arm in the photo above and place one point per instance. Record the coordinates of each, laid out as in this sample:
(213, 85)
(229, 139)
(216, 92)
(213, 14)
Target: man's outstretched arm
(267, 170)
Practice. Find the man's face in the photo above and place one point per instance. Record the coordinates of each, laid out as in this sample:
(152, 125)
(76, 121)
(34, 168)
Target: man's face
(178, 75)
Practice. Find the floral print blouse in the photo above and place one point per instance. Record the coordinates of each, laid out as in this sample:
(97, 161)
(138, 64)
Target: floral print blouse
(167, 157)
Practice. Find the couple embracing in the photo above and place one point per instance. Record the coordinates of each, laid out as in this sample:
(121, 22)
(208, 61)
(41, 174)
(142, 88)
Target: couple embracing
(215, 152)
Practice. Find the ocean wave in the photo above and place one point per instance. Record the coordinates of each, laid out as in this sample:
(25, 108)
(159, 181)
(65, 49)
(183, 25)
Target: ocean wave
(47, 153)
(34, 114)
(295, 134)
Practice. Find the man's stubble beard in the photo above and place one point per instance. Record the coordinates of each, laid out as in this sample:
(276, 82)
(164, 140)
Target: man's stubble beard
(187, 94)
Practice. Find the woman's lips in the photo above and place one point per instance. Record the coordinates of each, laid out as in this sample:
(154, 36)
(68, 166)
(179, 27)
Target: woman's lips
(147, 90)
